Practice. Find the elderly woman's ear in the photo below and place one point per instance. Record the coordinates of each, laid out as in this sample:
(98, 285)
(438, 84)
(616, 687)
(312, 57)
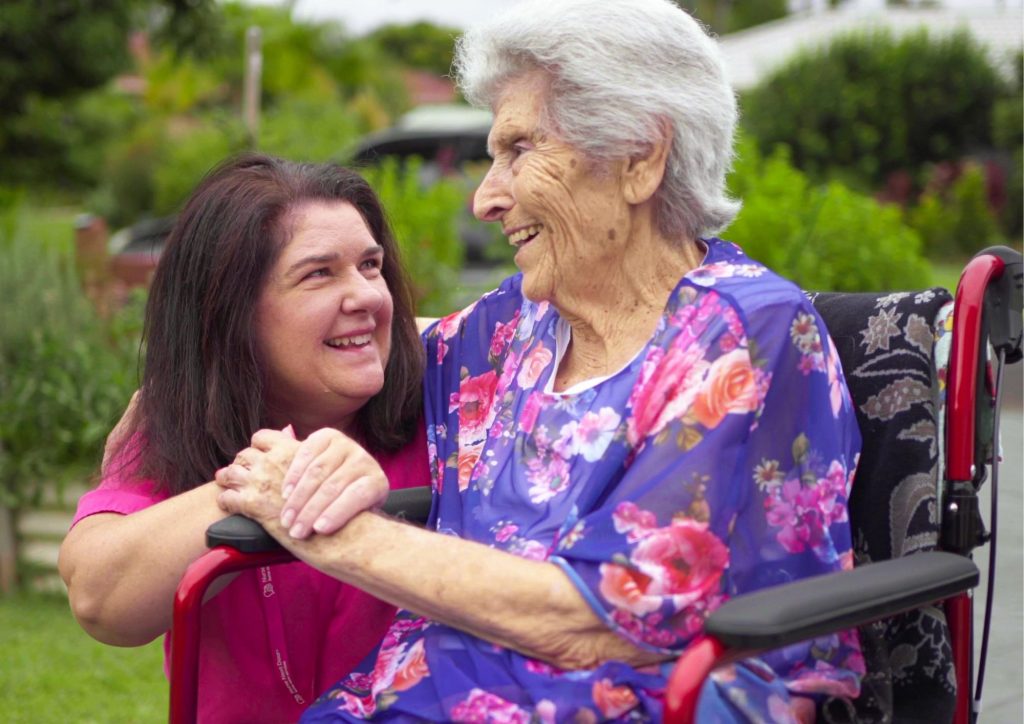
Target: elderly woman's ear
(643, 171)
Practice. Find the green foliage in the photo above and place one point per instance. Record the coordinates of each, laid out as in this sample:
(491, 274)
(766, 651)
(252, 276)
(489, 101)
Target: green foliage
(870, 104)
(424, 221)
(127, 190)
(176, 85)
(55, 49)
(306, 130)
(60, 142)
(320, 89)
(154, 169)
(52, 52)
(65, 374)
(194, 150)
(420, 45)
(309, 61)
(821, 237)
(748, 13)
(362, 69)
(956, 221)
(728, 16)
(1008, 134)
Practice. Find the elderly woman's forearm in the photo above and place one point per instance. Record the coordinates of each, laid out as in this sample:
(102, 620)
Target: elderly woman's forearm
(525, 605)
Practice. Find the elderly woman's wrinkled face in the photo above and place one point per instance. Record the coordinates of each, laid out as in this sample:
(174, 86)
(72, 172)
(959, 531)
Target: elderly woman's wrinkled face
(565, 214)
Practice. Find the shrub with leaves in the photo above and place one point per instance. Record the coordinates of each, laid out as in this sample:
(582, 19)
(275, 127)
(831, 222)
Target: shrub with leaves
(425, 222)
(1008, 134)
(869, 104)
(822, 237)
(65, 374)
(303, 130)
(956, 221)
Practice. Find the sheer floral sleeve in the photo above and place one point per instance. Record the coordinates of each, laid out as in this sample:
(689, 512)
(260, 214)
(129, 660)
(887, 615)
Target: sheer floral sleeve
(742, 441)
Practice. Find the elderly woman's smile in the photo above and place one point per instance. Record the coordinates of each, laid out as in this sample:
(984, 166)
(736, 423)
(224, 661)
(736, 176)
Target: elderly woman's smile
(522, 237)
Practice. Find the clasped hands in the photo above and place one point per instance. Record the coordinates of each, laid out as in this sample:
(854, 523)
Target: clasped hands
(298, 488)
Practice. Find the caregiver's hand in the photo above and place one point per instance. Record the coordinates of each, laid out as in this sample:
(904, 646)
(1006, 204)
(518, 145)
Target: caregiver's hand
(331, 479)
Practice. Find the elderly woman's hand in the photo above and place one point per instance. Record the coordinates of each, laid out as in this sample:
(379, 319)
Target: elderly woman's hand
(252, 483)
(330, 480)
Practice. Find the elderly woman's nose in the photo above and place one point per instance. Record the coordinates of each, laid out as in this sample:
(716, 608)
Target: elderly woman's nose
(492, 198)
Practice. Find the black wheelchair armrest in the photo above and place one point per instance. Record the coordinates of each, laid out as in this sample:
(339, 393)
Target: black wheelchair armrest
(247, 536)
(794, 612)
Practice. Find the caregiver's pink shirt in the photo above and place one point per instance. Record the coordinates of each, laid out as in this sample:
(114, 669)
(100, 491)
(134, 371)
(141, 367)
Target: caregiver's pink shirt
(275, 637)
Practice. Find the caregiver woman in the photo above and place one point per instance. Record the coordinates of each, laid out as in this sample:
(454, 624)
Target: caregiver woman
(279, 301)
(641, 424)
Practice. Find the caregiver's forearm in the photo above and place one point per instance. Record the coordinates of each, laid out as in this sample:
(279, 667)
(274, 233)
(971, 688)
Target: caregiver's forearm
(525, 605)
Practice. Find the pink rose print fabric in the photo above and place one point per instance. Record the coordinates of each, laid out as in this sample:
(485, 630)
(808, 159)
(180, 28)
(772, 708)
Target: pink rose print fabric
(717, 462)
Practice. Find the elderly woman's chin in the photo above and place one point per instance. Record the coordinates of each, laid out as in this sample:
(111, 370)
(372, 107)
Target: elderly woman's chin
(538, 277)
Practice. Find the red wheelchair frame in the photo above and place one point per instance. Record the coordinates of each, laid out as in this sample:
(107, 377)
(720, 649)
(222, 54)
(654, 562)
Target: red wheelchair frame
(987, 310)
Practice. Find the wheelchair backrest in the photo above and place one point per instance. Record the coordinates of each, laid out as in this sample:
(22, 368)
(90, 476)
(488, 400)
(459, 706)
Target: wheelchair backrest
(886, 343)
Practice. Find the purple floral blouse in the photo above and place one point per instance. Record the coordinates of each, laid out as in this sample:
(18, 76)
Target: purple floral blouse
(718, 461)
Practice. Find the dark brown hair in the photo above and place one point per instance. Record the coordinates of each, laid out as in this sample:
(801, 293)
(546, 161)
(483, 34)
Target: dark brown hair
(202, 387)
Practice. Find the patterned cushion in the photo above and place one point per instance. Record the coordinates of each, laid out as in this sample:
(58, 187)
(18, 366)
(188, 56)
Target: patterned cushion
(887, 344)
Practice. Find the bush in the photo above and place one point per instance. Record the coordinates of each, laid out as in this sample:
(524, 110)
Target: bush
(870, 104)
(61, 141)
(822, 237)
(956, 221)
(303, 130)
(425, 223)
(194, 149)
(65, 374)
(1008, 134)
(156, 167)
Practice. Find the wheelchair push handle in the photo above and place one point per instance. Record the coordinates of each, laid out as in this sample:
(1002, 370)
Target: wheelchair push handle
(247, 536)
(1004, 299)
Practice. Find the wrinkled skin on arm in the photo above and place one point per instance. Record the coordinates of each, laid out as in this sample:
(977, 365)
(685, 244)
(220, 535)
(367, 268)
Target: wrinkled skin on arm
(532, 606)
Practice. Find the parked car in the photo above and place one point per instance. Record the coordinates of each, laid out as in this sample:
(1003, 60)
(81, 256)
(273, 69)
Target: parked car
(446, 134)
(452, 142)
(135, 250)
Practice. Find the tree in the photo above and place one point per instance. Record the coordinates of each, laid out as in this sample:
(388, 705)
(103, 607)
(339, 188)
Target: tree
(728, 16)
(869, 104)
(51, 52)
(419, 45)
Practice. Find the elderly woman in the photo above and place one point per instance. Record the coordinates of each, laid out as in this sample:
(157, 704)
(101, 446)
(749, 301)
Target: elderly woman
(641, 424)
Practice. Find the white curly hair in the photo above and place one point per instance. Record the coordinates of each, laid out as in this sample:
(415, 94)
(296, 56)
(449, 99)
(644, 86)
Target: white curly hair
(620, 73)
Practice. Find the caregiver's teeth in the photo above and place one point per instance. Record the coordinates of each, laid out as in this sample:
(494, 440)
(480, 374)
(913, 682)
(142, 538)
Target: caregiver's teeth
(358, 340)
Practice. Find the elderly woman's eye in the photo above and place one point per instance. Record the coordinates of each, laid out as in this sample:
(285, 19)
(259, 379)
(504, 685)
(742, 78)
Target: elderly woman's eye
(321, 272)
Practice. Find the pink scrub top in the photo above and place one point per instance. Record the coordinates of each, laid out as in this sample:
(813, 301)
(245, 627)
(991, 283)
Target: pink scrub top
(275, 637)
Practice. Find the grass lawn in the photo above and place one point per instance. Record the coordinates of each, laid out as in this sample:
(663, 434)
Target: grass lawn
(947, 274)
(53, 672)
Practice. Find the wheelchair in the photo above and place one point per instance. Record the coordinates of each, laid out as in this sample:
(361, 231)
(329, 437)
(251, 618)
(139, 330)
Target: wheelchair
(925, 372)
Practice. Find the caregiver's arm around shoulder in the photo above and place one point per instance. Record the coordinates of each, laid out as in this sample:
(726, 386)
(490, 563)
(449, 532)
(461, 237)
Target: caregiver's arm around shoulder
(122, 570)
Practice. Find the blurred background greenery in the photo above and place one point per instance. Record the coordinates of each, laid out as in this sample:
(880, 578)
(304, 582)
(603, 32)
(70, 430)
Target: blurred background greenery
(870, 162)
